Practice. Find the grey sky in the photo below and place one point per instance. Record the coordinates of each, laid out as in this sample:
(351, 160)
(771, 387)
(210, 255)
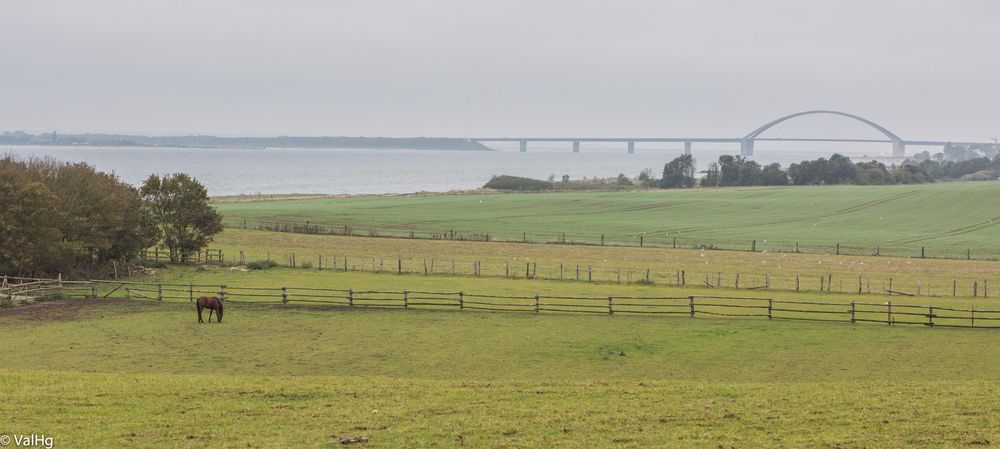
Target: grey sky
(924, 69)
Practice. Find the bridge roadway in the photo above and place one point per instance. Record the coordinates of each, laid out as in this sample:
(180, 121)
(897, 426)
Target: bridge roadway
(746, 142)
(746, 146)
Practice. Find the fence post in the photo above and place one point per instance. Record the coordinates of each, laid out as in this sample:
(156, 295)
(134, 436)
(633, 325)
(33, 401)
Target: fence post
(921, 252)
(406, 299)
(602, 239)
(675, 242)
(190, 292)
(350, 298)
(753, 246)
(93, 289)
(159, 291)
(769, 308)
(691, 304)
(537, 301)
(461, 300)
(930, 316)
(611, 310)
(590, 273)
(399, 264)
(853, 310)
(838, 249)
(284, 295)
(222, 293)
(641, 240)
(889, 310)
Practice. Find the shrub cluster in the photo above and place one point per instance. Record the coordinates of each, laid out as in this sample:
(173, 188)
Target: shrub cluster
(262, 264)
(505, 182)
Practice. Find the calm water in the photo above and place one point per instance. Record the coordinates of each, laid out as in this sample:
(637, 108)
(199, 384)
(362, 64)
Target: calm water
(352, 171)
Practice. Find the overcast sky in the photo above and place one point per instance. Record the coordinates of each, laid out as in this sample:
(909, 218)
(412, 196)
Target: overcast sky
(924, 69)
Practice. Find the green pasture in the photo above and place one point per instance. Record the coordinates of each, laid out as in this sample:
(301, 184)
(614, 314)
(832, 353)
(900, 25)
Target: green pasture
(140, 373)
(948, 219)
(611, 264)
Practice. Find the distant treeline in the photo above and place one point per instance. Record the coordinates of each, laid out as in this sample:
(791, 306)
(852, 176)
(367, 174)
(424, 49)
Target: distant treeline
(417, 143)
(739, 171)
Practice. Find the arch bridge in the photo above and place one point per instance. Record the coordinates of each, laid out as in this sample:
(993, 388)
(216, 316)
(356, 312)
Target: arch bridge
(746, 142)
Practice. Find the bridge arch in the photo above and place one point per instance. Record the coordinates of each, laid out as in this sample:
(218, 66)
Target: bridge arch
(746, 144)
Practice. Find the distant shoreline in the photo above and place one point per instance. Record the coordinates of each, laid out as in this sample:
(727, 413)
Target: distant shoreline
(214, 142)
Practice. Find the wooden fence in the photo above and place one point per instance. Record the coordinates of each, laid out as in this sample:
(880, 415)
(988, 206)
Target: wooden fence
(690, 306)
(636, 240)
(209, 256)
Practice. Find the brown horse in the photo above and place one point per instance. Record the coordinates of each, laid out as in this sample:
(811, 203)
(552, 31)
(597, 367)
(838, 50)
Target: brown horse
(212, 304)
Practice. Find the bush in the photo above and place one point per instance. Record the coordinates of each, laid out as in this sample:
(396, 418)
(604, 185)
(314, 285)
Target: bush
(154, 264)
(306, 264)
(505, 182)
(262, 264)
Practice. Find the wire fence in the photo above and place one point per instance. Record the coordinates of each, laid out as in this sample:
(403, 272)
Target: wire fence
(907, 248)
(691, 306)
(902, 284)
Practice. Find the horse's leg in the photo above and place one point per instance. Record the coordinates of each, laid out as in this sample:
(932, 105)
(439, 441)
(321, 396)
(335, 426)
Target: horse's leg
(210, 310)
(218, 314)
(199, 314)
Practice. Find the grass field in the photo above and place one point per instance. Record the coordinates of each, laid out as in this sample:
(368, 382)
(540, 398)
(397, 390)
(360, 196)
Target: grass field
(948, 219)
(929, 277)
(144, 374)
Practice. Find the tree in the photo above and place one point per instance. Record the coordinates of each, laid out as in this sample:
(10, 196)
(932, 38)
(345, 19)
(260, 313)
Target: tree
(711, 178)
(81, 218)
(179, 206)
(773, 175)
(28, 222)
(678, 173)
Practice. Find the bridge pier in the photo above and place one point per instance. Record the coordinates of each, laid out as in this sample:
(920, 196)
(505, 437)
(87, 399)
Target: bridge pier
(576, 146)
(746, 147)
(898, 149)
(631, 147)
(687, 147)
(524, 146)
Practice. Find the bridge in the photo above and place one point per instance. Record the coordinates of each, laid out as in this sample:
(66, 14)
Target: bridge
(746, 142)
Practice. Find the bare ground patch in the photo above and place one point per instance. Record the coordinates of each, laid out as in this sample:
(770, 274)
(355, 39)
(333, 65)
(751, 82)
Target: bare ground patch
(72, 309)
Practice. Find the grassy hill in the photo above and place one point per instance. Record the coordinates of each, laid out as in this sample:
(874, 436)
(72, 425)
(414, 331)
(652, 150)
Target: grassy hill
(949, 219)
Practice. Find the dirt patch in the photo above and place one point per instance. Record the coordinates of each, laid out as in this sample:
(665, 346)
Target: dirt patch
(72, 309)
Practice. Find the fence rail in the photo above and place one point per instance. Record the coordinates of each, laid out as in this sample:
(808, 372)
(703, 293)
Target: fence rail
(691, 305)
(651, 240)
